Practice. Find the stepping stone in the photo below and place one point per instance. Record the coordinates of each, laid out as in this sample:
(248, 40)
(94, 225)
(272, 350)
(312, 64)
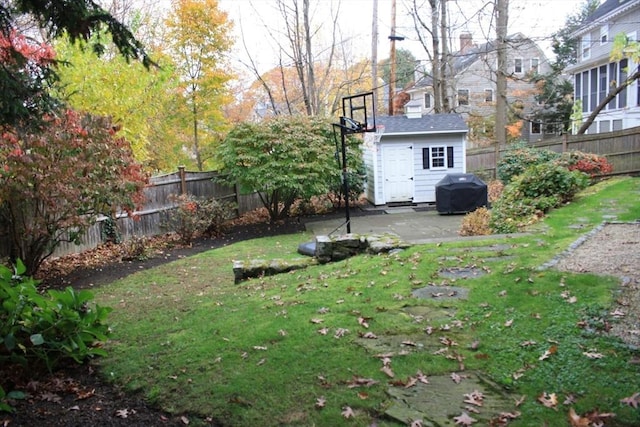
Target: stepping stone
(438, 402)
(441, 293)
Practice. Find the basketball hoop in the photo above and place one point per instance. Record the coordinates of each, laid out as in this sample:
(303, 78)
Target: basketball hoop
(379, 132)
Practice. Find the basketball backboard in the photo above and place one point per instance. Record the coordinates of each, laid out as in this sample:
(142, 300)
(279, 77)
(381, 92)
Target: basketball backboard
(358, 113)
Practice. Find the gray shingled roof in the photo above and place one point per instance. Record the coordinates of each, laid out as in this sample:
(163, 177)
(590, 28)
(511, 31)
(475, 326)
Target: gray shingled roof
(462, 61)
(429, 123)
(607, 7)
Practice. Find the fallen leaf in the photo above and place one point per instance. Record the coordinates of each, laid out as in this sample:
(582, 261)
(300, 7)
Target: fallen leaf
(455, 378)
(340, 332)
(74, 408)
(184, 420)
(422, 377)
(364, 322)
(411, 381)
(527, 343)
(361, 382)
(576, 420)
(548, 400)
(282, 332)
(464, 420)
(474, 398)
(508, 323)
(323, 331)
(363, 395)
(474, 345)
(591, 355)
(520, 401)
(552, 350)
(259, 347)
(387, 371)
(370, 336)
(618, 313)
(323, 310)
(81, 395)
(347, 412)
(409, 343)
(321, 402)
(416, 423)
(633, 400)
(317, 321)
(122, 413)
(261, 362)
(50, 397)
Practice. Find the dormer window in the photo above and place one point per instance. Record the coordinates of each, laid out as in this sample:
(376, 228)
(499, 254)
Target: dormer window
(604, 34)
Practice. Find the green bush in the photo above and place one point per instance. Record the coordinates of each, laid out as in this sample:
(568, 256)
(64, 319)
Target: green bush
(195, 216)
(531, 194)
(49, 327)
(520, 157)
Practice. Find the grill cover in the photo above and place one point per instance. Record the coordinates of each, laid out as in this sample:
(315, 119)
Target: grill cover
(460, 193)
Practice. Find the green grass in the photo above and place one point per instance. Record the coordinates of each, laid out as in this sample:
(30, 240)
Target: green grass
(194, 342)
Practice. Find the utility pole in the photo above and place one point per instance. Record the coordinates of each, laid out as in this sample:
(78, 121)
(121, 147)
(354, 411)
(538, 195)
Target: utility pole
(392, 58)
(502, 19)
(374, 54)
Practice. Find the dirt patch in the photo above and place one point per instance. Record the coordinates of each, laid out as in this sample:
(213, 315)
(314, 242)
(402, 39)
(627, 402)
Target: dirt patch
(613, 249)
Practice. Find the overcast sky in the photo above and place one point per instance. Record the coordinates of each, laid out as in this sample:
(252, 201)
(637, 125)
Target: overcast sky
(537, 19)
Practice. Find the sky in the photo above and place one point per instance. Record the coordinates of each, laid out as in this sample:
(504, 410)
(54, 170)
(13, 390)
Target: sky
(254, 20)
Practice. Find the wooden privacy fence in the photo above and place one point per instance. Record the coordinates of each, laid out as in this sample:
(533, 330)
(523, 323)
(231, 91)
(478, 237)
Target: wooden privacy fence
(150, 219)
(621, 148)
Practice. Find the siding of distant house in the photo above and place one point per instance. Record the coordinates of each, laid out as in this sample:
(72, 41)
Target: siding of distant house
(524, 59)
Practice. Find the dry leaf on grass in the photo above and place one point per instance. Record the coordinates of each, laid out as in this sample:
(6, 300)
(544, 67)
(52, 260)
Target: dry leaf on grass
(464, 420)
(347, 412)
(633, 400)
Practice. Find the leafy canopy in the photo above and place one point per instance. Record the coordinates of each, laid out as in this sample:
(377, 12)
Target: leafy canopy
(56, 179)
(282, 158)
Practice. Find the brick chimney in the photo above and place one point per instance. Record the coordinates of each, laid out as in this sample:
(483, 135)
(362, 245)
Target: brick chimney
(466, 42)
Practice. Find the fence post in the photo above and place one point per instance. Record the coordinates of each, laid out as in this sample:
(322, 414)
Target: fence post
(183, 180)
(565, 136)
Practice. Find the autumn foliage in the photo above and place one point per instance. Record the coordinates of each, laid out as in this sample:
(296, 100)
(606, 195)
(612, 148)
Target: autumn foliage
(55, 179)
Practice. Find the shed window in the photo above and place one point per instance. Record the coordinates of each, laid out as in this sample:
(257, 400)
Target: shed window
(437, 157)
(427, 100)
(463, 96)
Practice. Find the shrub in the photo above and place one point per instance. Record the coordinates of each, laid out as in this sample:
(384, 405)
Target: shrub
(520, 157)
(530, 195)
(476, 223)
(194, 217)
(591, 164)
(49, 327)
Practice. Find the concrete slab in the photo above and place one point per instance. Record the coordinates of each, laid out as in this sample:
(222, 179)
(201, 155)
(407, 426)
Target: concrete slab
(409, 225)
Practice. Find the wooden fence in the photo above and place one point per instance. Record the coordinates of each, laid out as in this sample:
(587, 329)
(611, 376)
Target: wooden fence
(621, 148)
(150, 219)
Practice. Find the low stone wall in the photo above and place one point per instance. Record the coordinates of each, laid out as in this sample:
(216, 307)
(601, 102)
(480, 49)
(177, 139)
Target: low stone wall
(327, 249)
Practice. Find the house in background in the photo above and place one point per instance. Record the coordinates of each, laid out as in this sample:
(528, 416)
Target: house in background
(472, 90)
(594, 73)
(411, 155)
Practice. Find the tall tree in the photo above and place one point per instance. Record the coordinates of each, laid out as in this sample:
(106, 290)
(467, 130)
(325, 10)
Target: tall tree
(435, 30)
(198, 36)
(502, 21)
(78, 19)
(135, 98)
(405, 68)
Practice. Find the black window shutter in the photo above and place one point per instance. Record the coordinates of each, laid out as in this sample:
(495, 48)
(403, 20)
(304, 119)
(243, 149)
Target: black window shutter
(449, 157)
(425, 158)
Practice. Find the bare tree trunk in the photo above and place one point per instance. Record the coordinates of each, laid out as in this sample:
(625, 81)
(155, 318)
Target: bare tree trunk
(502, 19)
(392, 59)
(374, 53)
(314, 98)
(436, 70)
(446, 104)
(614, 92)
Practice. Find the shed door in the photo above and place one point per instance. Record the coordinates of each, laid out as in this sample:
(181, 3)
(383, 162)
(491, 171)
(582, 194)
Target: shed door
(397, 164)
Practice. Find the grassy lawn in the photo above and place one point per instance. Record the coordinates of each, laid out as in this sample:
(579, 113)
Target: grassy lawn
(268, 351)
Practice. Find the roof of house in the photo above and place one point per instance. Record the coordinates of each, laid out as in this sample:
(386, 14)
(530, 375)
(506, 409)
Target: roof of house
(428, 123)
(464, 59)
(607, 7)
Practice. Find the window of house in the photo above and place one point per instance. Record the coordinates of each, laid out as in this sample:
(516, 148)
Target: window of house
(594, 88)
(437, 157)
(535, 128)
(578, 86)
(602, 89)
(585, 47)
(585, 91)
(463, 96)
(535, 65)
(517, 65)
(427, 100)
(488, 95)
(604, 34)
(622, 96)
(613, 75)
(605, 126)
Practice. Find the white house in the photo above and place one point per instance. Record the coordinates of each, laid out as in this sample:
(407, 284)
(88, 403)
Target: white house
(594, 73)
(410, 156)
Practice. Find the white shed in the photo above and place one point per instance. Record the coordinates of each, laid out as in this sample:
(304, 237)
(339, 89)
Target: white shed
(405, 161)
